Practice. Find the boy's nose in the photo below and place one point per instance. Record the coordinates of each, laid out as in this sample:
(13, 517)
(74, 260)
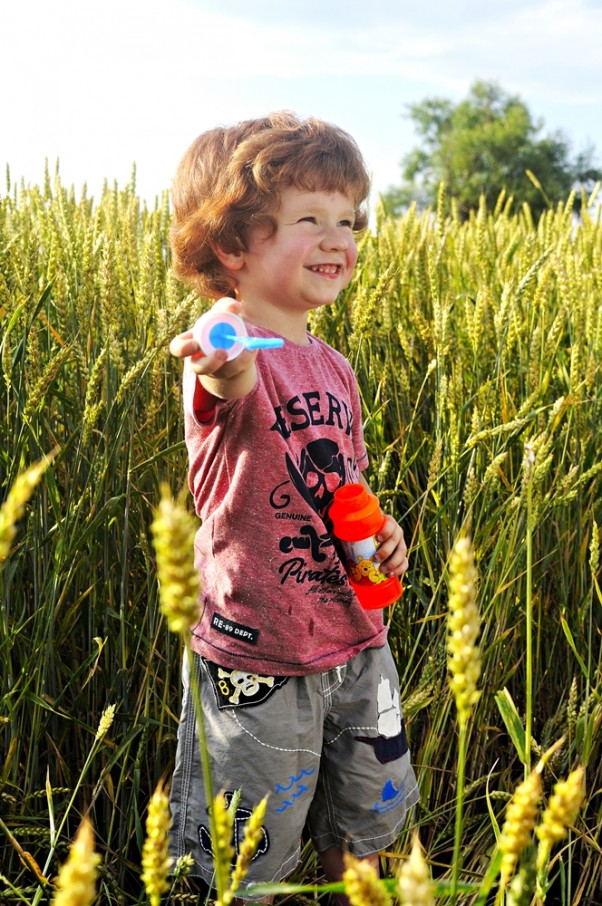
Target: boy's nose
(335, 239)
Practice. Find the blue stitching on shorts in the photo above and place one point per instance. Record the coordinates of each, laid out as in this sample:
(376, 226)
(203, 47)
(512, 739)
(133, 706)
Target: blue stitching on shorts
(284, 789)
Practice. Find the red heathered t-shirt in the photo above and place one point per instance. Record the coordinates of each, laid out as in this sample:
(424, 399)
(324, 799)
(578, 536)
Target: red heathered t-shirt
(263, 471)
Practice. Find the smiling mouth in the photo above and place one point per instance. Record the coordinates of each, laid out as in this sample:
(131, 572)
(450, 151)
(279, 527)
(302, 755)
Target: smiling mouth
(331, 270)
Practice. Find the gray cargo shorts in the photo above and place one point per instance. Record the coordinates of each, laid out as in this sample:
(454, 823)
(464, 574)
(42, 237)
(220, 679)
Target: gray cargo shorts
(329, 748)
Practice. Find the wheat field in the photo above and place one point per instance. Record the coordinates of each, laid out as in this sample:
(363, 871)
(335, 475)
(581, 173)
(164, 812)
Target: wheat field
(478, 349)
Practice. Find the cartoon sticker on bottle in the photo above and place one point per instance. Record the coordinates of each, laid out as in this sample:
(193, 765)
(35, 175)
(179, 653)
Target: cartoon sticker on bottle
(361, 562)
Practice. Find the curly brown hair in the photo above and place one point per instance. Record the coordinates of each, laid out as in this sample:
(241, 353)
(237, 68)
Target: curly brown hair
(230, 179)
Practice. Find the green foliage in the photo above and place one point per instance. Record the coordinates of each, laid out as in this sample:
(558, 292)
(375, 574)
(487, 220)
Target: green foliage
(473, 341)
(87, 309)
(483, 146)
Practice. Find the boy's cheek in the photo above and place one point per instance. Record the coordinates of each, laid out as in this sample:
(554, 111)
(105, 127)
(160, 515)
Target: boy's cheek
(351, 262)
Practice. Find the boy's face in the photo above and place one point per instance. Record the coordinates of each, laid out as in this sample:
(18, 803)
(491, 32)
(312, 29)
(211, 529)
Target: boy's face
(308, 260)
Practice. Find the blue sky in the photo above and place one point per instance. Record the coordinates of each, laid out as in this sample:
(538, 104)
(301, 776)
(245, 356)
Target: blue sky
(100, 85)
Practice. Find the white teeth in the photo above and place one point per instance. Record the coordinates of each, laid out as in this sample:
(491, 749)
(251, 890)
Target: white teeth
(326, 268)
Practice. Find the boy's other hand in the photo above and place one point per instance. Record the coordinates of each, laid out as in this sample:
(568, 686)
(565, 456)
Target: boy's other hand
(392, 552)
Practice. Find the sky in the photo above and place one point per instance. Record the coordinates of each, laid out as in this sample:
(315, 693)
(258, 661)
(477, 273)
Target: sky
(100, 86)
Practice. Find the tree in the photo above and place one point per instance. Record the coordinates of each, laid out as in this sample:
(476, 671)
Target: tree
(485, 144)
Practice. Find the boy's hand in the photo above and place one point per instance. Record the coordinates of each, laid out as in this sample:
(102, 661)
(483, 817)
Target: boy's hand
(185, 346)
(224, 379)
(392, 553)
(216, 363)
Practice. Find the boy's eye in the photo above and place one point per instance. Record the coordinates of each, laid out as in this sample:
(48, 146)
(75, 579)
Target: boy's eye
(347, 223)
(309, 219)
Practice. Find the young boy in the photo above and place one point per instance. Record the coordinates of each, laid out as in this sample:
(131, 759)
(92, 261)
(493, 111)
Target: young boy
(299, 689)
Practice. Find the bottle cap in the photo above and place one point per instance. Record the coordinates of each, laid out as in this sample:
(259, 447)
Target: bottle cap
(355, 513)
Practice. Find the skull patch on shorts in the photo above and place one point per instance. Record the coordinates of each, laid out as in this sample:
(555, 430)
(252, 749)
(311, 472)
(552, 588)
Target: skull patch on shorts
(239, 688)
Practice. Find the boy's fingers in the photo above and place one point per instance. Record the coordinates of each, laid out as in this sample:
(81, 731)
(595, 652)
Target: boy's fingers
(209, 364)
(395, 556)
(228, 304)
(394, 566)
(393, 553)
(184, 345)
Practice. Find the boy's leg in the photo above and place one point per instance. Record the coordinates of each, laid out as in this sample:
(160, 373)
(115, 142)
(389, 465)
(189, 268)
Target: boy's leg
(332, 863)
(264, 736)
(366, 781)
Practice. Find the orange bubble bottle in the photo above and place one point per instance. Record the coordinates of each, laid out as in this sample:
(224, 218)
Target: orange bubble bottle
(357, 517)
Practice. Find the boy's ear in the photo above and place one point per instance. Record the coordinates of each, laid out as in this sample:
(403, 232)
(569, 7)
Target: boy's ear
(233, 261)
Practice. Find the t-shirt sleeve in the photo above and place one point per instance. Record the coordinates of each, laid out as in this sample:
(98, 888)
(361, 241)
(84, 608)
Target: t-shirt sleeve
(203, 404)
(199, 403)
